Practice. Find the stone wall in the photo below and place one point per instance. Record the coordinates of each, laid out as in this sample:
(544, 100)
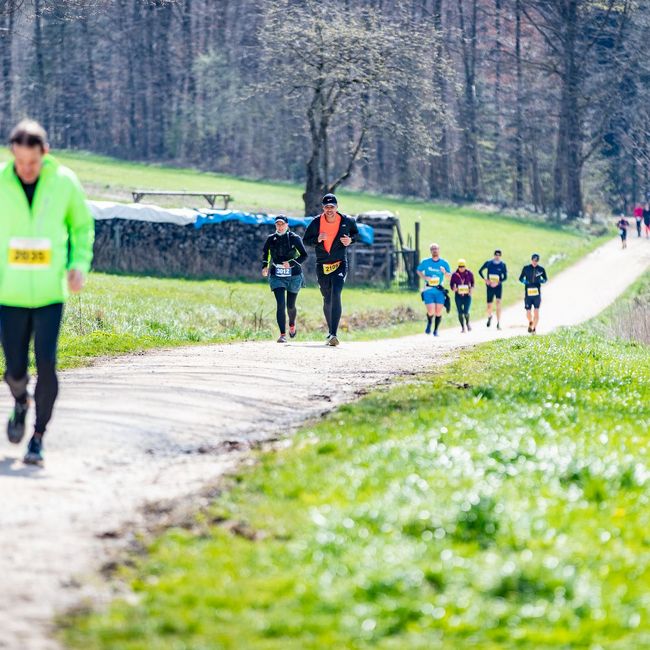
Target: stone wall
(224, 250)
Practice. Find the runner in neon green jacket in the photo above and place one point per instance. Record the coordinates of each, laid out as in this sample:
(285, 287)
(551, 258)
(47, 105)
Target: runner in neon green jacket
(34, 242)
(46, 246)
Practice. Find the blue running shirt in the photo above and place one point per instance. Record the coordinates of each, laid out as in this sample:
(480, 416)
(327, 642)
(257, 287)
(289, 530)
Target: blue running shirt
(434, 271)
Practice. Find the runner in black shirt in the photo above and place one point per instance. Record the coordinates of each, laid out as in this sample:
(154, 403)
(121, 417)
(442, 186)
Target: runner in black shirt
(533, 276)
(282, 257)
(331, 233)
(623, 224)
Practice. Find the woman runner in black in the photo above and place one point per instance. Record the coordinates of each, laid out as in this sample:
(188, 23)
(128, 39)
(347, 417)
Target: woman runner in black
(331, 233)
(282, 259)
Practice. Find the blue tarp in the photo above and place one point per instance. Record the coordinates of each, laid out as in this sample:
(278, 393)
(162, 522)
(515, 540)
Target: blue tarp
(366, 233)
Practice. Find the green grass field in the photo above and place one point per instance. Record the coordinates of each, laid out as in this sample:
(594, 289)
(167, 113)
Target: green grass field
(501, 503)
(120, 314)
(461, 232)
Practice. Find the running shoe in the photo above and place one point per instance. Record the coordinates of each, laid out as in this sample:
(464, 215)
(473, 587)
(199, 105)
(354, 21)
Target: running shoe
(435, 332)
(327, 340)
(16, 423)
(292, 331)
(533, 331)
(427, 329)
(489, 321)
(462, 330)
(498, 325)
(333, 342)
(282, 339)
(530, 328)
(34, 455)
(469, 327)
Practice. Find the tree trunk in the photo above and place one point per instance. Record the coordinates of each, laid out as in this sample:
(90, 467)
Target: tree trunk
(519, 120)
(439, 164)
(315, 183)
(470, 127)
(6, 40)
(40, 96)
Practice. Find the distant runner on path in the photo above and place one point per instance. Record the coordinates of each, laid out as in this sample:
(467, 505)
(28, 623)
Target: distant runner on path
(282, 257)
(46, 246)
(462, 284)
(646, 220)
(497, 273)
(638, 217)
(623, 224)
(533, 276)
(433, 270)
(331, 233)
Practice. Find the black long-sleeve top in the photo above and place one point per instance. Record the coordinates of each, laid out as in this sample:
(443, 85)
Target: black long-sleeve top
(284, 248)
(533, 276)
(338, 252)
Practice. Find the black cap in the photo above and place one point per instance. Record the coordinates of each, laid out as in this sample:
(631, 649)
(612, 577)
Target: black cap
(329, 199)
(534, 256)
(281, 217)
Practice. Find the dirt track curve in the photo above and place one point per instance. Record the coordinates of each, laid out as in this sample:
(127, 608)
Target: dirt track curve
(136, 430)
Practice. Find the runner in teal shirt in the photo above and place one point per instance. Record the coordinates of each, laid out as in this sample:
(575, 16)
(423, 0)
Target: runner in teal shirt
(434, 270)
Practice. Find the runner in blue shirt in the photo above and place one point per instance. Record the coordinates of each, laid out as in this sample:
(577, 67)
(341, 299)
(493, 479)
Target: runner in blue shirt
(433, 270)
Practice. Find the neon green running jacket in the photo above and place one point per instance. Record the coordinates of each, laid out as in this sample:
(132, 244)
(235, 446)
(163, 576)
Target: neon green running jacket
(39, 245)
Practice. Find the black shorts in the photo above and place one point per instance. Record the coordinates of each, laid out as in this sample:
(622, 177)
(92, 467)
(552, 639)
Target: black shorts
(494, 292)
(623, 233)
(532, 301)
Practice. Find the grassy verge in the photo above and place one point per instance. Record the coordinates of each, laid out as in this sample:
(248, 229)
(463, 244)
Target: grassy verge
(502, 503)
(629, 317)
(121, 314)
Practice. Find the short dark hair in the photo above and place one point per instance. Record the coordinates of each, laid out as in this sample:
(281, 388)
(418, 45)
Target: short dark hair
(497, 251)
(28, 133)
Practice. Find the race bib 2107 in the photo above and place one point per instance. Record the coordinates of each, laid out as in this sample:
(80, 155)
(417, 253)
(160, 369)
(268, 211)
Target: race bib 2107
(330, 268)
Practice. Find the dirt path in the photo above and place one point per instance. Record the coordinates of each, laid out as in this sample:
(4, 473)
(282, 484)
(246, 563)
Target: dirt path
(140, 429)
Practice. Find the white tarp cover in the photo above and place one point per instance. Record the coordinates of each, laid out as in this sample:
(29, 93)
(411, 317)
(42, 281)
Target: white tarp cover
(142, 212)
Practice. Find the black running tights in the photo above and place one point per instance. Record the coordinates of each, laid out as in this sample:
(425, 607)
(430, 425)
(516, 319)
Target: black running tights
(331, 288)
(285, 304)
(17, 326)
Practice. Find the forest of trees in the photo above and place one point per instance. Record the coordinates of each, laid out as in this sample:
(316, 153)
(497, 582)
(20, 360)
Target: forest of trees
(543, 104)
